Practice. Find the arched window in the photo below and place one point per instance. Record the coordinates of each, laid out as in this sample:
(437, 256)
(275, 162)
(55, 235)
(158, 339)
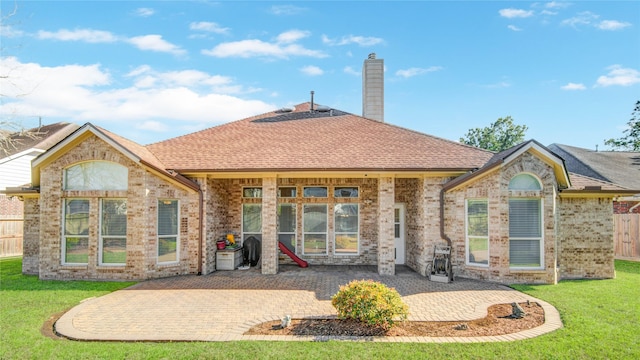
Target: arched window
(96, 175)
(524, 182)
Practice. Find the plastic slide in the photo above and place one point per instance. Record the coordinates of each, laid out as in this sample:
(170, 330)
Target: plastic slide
(285, 249)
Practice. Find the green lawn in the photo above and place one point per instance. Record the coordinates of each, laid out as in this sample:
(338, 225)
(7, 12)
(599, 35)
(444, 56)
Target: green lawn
(601, 318)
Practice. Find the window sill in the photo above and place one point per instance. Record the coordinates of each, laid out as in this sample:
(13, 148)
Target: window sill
(477, 266)
(529, 271)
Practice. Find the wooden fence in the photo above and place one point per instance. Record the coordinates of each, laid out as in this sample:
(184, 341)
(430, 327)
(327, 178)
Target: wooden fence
(627, 236)
(10, 237)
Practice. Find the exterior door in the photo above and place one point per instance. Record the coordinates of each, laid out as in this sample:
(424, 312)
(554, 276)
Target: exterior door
(399, 233)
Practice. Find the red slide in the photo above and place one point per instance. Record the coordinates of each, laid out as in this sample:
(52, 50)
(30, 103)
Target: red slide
(285, 249)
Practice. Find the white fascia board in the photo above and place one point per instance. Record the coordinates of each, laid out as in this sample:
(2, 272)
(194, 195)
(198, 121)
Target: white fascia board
(20, 154)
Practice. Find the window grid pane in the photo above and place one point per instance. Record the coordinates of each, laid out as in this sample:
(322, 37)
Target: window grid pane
(525, 233)
(346, 225)
(96, 175)
(477, 232)
(525, 218)
(168, 243)
(76, 231)
(113, 231)
(315, 229)
(287, 225)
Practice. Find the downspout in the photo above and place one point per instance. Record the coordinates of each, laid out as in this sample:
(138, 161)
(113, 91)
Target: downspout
(201, 230)
(442, 233)
(633, 207)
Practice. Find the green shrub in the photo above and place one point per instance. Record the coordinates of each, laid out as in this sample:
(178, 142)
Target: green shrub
(370, 302)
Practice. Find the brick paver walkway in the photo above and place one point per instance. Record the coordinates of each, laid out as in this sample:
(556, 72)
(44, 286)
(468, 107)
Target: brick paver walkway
(223, 305)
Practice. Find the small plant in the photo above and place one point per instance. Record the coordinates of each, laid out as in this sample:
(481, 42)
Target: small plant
(370, 302)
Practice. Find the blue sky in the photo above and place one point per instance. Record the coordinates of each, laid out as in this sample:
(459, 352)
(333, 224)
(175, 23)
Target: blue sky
(152, 70)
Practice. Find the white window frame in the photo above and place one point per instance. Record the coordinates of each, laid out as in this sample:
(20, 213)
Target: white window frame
(472, 237)
(63, 244)
(257, 235)
(101, 236)
(326, 230)
(257, 192)
(295, 225)
(336, 233)
(540, 239)
(176, 235)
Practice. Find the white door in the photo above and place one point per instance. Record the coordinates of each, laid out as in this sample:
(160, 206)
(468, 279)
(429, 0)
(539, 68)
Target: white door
(398, 223)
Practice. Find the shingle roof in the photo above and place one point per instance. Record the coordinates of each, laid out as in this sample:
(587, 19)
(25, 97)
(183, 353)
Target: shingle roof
(618, 167)
(304, 140)
(41, 138)
(581, 182)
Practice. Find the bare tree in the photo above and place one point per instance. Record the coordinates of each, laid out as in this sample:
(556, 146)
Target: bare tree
(12, 132)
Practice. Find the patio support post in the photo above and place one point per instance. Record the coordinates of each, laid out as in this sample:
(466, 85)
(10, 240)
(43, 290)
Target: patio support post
(386, 245)
(269, 226)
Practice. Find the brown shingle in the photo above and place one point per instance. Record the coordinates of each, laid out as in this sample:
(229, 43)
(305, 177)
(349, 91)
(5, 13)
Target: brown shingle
(300, 141)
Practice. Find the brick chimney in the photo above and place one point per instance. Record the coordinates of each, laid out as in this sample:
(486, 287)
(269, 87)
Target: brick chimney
(373, 88)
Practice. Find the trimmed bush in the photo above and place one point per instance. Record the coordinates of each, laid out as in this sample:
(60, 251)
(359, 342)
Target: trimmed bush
(370, 302)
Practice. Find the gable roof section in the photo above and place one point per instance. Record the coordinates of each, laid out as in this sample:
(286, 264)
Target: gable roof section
(618, 167)
(300, 140)
(505, 157)
(135, 152)
(43, 138)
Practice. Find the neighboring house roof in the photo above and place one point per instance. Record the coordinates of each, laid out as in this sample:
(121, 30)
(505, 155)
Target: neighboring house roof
(505, 157)
(618, 167)
(585, 183)
(320, 140)
(41, 138)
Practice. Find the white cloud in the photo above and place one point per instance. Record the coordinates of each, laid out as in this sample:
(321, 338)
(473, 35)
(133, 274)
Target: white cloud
(144, 12)
(85, 35)
(286, 10)
(351, 71)
(151, 125)
(557, 5)
(353, 39)
(79, 93)
(573, 86)
(514, 28)
(583, 18)
(612, 25)
(291, 36)
(9, 32)
(312, 70)
(155, 43)
(208, 27)
(411, 72)
(619, 76)
(515, 13)
(283, 47)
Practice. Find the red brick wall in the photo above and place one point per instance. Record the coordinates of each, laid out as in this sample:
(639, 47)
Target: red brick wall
(622, 207)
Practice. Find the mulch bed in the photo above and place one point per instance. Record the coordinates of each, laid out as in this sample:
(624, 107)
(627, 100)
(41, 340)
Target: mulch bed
(497, 322)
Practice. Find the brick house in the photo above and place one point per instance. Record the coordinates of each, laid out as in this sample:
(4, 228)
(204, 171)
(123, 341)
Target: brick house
(335, 188)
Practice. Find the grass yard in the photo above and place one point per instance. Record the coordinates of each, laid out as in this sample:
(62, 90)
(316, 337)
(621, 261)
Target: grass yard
(601, 318)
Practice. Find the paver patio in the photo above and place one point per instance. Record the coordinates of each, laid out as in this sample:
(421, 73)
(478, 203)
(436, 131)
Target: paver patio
(223, 305)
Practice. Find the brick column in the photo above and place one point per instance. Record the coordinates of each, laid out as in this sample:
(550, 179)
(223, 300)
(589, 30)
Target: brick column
(386, 201)
(269, 226)
(31, 236)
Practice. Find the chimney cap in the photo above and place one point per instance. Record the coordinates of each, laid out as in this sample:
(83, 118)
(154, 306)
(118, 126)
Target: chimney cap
(372, 56)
